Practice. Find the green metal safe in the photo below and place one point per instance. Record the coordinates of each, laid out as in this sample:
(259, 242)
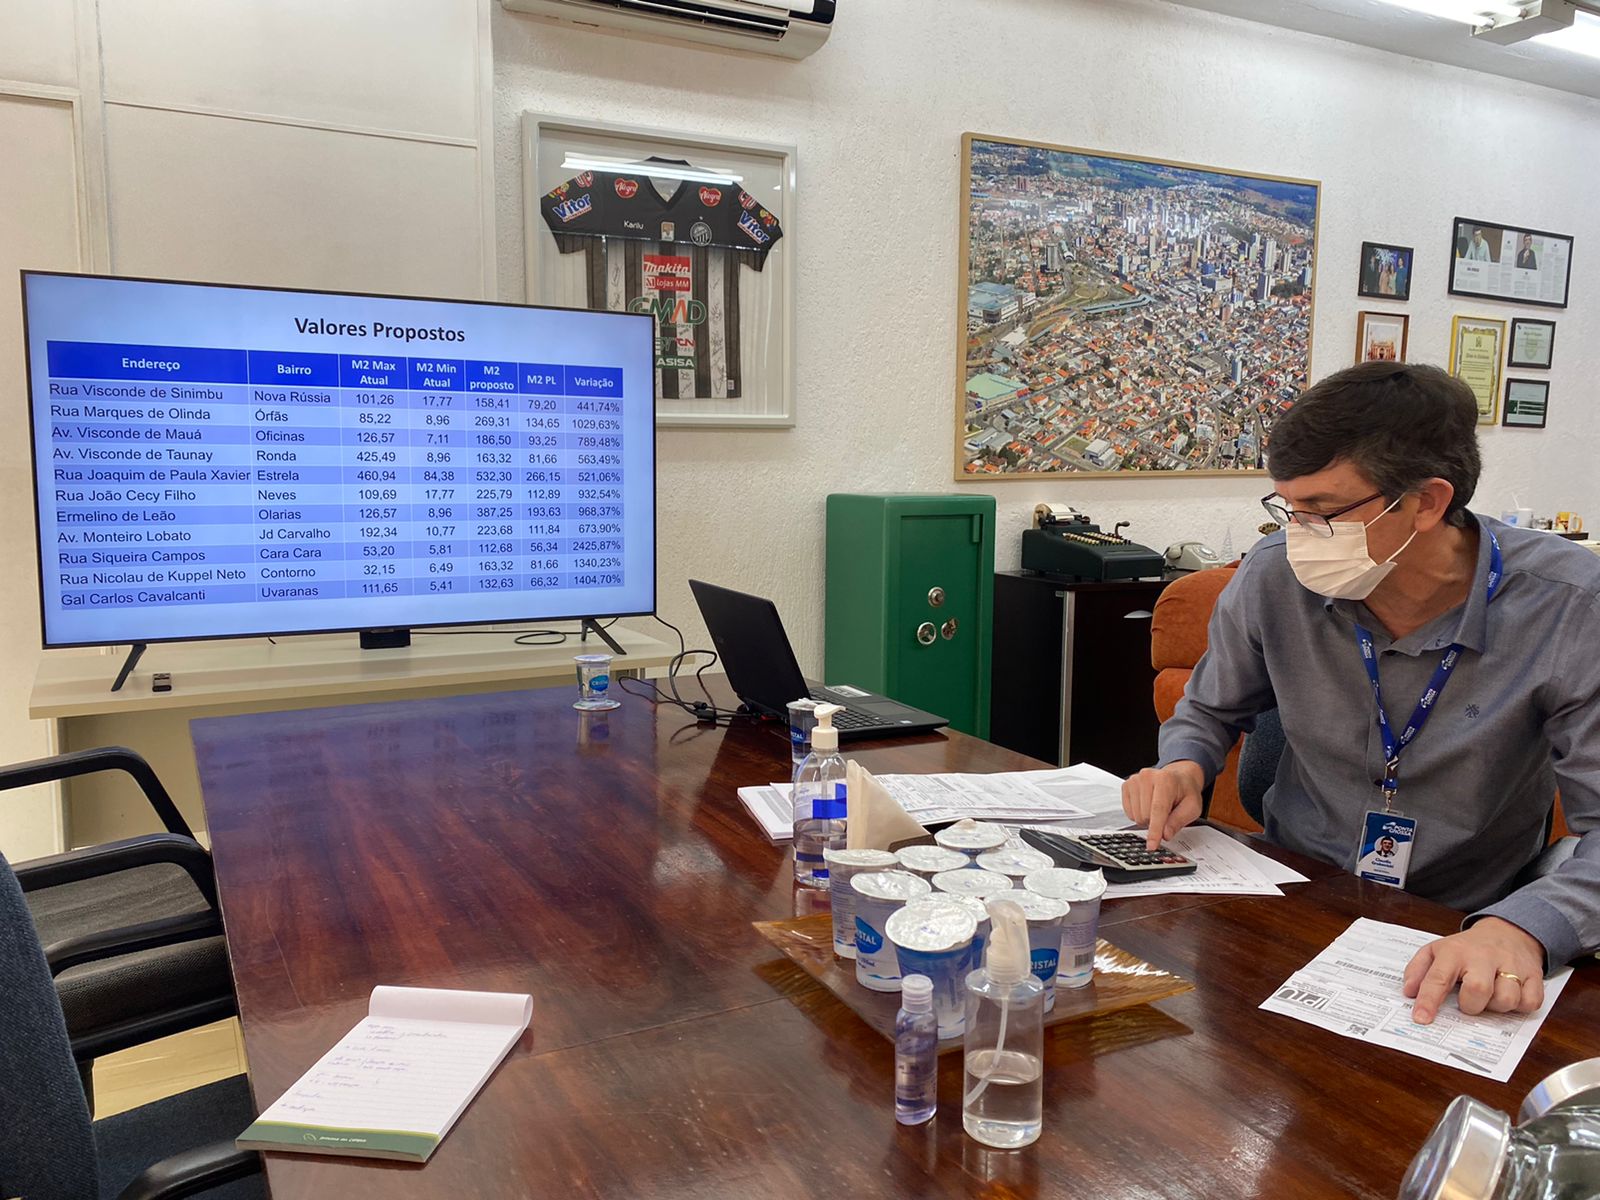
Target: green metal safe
(910, 601)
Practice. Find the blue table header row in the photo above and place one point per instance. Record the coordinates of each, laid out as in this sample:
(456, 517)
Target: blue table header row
(289, 368)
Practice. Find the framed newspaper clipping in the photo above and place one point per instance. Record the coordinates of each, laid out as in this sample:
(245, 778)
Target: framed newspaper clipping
(1505, 262)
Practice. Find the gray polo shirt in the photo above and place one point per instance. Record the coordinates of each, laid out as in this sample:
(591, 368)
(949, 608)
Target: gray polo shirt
(1519, 716)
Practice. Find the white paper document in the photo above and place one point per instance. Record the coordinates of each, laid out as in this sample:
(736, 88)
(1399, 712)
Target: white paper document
(1071, 795)
(1223, 867)
(1353, 988)
(395, 1084)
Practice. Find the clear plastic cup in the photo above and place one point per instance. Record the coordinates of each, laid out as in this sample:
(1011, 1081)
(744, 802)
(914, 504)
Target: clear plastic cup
(1045, 924)
(981, 884)
(594, 682)
(971, 837)
(879, 895)
(843, 866)
(928, 861)
(980, 914)
(1081, 928)
(802, 720)
(1015, 862)
(933, 937)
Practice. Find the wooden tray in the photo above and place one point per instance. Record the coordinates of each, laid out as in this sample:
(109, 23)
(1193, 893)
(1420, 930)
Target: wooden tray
(1120, 980)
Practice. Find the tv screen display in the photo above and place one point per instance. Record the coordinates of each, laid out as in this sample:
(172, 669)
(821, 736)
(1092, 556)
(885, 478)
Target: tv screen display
(220, 461)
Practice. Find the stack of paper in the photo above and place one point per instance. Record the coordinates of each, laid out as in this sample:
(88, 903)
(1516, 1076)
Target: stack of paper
(1353, 989)
(395, 1084)
(1223, 867)
(1073, 794)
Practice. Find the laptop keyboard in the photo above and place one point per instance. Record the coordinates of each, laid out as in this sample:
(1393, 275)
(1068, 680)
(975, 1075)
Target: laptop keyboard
(849, 718)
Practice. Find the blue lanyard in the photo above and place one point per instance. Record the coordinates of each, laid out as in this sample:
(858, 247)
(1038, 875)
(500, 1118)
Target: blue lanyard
(1392, 745)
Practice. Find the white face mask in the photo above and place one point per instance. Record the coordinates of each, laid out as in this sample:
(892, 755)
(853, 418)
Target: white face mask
(1339, 567)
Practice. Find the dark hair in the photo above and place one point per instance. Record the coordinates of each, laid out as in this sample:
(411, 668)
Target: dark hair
(1397, 423)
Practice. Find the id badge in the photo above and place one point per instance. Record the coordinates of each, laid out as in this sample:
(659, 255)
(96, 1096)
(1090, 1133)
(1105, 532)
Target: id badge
(1385, 853)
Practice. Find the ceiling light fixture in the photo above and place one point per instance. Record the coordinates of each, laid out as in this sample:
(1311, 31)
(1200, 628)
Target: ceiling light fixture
(1468, 12)
(1537, 19)
(1582, 38)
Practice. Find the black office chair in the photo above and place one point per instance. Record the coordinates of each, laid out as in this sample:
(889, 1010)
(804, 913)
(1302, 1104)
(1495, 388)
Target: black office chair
(130, 928)
(1258, 762)
(50, 1150)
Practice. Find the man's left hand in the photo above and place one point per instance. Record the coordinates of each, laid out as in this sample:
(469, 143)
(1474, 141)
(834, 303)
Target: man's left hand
(1483, 960)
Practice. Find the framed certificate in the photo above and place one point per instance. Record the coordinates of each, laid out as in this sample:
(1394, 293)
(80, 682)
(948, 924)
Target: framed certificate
(1504, 262)
(1477, 348)
(1532, 343)
(1527, 403)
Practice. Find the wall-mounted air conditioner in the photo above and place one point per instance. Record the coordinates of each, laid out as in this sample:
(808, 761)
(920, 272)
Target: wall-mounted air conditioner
(787, 28)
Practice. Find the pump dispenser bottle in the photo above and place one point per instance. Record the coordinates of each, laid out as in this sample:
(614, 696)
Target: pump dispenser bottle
(1003, 1084)
(819, 802)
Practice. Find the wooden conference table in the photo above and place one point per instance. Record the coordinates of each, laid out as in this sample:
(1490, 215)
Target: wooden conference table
(604, 864)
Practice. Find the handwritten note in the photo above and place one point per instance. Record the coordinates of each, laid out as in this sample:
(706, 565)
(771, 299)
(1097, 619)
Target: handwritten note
(396, 1083)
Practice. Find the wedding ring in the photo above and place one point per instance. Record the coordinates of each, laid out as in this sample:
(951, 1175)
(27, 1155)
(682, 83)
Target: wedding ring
(1517, 979)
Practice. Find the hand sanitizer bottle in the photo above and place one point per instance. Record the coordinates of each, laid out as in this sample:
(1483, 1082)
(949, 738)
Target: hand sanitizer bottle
(916, 1053)
(1003, 1084)
(819, 802)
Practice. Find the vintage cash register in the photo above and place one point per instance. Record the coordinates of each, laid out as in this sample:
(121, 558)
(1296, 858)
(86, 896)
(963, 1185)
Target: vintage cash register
(1066, 544)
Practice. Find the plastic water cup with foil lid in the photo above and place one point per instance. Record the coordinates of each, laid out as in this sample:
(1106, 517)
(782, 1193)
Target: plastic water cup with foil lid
(1473, 1153)
(971, 837)
(878, 895)
(1017, 862)
(981, 884)
(843, 866)
(933, 937)
(928, 861)
(1045, 917)
(1080, 929)
(980, 914)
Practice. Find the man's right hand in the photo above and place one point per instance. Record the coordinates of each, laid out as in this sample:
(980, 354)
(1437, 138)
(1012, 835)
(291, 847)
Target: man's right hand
(1164, 799)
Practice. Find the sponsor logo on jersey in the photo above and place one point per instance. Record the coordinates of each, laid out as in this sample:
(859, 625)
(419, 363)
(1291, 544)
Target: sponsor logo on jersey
(626, 188)
(558, 192)
(667, 273)
(752, 229)
(710, 196)
(700, 233)
(767, 218)
(670, 309)
(746, 200)
(585, 180)
(569, 210)
(669, 231)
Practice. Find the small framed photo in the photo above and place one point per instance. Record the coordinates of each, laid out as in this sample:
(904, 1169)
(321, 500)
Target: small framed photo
(1381, 336)
(1533, 343)
(1527, 403)
(1386, 271)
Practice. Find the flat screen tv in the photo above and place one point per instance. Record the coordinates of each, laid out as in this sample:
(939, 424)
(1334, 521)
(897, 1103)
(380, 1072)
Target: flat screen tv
(215, 461)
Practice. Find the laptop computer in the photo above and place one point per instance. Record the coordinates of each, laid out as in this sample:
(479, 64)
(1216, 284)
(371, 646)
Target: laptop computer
(749, 638)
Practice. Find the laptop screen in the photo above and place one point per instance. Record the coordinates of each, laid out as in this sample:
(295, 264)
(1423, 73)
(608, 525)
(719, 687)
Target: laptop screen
(749, 637)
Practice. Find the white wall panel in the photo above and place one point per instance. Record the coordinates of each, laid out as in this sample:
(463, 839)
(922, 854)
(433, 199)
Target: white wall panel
(38, 229)
(392, 64)
(38, 43)
(195, 197)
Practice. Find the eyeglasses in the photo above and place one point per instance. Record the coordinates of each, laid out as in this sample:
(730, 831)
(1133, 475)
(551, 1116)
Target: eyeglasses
(1311, 522)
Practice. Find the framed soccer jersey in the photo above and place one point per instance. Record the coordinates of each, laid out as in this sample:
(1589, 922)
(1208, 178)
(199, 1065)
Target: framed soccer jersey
(687, 229)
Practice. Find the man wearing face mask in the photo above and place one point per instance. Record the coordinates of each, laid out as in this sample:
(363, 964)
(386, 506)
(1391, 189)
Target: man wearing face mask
(1434, 676)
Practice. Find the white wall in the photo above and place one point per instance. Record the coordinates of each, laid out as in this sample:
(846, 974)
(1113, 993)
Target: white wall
(1401, 147)
(297, 142)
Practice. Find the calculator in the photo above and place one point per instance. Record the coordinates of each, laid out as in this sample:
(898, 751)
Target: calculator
(1122, 856)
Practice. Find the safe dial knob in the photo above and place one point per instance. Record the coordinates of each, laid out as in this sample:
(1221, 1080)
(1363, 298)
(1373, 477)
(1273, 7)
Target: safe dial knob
(948, 629)
(927, 634)
(936, 596)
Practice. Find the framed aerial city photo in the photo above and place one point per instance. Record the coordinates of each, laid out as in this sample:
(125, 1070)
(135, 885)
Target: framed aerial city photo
(1126, 316)
(1381, 336)
(1477, 347)
(1504, 262)
(1385, 271)
(1533, 343)
(1527, 403)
